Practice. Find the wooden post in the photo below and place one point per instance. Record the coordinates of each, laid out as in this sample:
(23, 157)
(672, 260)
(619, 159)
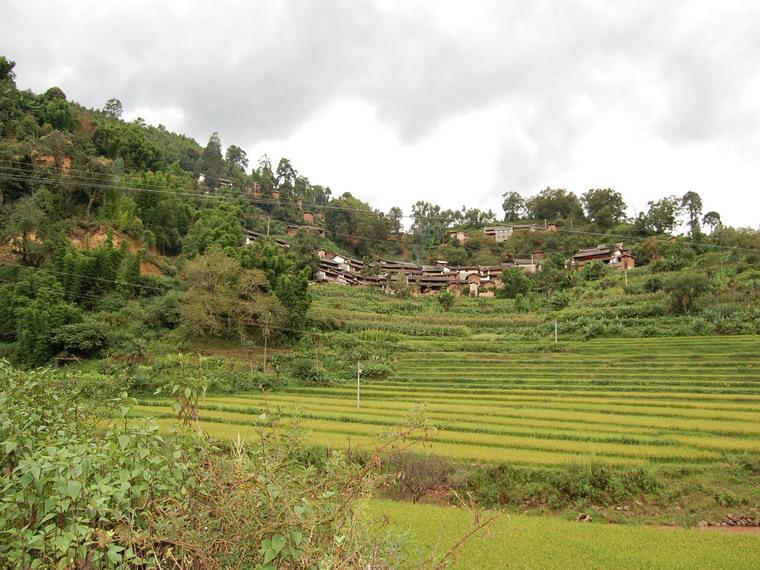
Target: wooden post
(358, 383)
(265, 353)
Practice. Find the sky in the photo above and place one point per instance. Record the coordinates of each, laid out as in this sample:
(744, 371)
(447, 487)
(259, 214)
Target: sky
(446, 101)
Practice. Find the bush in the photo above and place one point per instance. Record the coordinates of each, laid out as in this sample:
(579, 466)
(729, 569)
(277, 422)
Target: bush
(685, 288)
(515, 283)
(377, 369)
(76, 495)
(594, 271)
(654, 283)
(308, 371)
(446, 299)
(559, 300)
(85, 338)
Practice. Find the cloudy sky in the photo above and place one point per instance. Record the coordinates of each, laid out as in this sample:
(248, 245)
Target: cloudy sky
(448, 101)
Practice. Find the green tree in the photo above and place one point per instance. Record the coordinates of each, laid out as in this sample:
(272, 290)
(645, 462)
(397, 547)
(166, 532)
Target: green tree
(685, 288)
(446, 299)
(515, 283)
(554, 203)
(236, 157)
(395, 216)
(37, 309)
(355, 226)
(513, 206)
(604, 206)
(662, 215)
(113, 109)
(429, 226)
(224, 300)
(6, 69)
(212, 162)
(220, 226)
(691, 202)
(712, 220)
(22, 231)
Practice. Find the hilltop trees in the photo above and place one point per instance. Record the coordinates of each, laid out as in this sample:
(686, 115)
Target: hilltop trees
(354, 225)
(605, 207)
(691, 202)
(662, 215)
(236, 157)
(552, 204)
(212, 162)
(712, 220)
(513, 206)
(113, 109)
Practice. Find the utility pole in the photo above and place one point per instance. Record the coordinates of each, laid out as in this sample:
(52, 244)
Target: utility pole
(265, 355)
(555, 332)
(625, 272)
(358, 383)
(268, 218)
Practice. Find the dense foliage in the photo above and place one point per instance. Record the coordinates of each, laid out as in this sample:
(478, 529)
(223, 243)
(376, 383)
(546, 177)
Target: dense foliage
(83, 485)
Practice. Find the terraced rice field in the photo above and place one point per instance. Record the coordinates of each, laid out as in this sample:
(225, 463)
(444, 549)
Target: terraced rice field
(549, 542)
(622, 401)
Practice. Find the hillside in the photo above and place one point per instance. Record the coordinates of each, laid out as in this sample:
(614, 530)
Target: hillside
(190, 342)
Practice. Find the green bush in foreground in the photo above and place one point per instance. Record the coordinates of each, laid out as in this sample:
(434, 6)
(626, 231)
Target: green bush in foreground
(87, 491)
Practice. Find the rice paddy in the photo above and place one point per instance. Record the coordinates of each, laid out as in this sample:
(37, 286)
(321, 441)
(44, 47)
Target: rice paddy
(517, 541)
(616, 401)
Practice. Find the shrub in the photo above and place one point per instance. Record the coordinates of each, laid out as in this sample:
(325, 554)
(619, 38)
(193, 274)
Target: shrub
(559, 300)
(376, 369)
(515, 283)
(78, 496)
(594, 271)
(654, 283)
(309, 371)
(446, 299)
(85, 338)
(685, 288)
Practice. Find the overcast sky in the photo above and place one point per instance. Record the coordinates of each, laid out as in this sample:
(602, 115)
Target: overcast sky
(448, 101)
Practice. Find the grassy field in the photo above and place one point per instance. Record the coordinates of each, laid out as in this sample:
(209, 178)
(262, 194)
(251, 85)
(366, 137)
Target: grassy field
(621, 401)
(542, 542)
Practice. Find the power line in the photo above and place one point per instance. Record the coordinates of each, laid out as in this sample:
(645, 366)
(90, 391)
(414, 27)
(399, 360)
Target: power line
(58, 272)
(317, 207)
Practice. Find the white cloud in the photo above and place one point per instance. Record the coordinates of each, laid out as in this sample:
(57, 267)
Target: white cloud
(441, 100)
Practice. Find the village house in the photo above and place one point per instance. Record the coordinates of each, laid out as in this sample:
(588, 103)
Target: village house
(498, 233)
(256, 190)
(251, 236)
(503, 233)
(616, 256)
(293, 230)
(459, 235)
(308, 217)
(221, 183)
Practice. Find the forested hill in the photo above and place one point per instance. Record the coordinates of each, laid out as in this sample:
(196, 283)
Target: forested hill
(114, 232)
